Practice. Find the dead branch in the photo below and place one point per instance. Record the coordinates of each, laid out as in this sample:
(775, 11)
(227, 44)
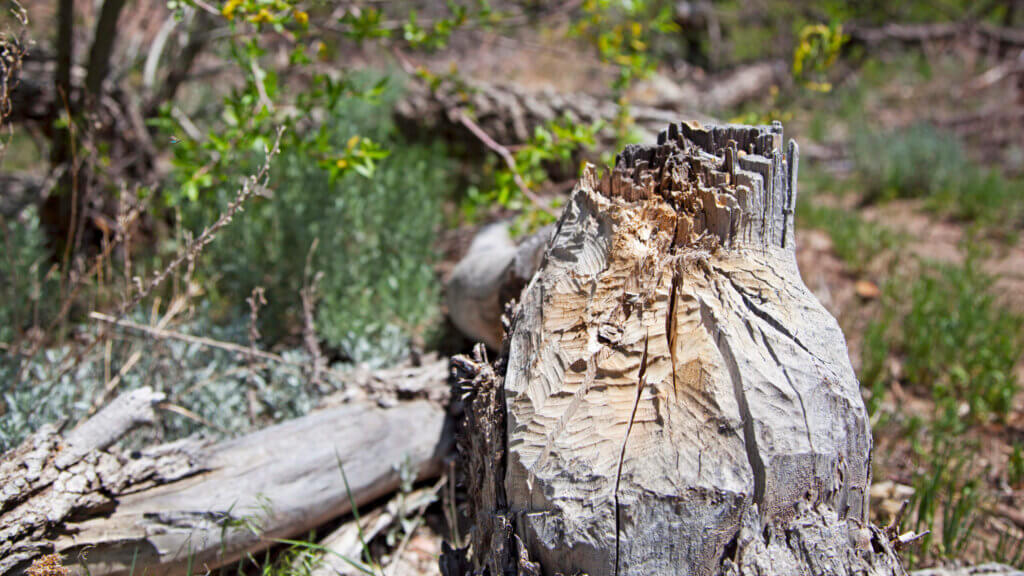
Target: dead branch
(195, 502)
(938, 32)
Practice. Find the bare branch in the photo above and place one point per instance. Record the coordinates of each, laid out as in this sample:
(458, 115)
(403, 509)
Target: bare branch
(506, 156)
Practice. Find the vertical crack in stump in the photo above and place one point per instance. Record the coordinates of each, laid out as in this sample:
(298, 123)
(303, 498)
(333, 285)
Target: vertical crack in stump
(622, 453)
(670, 324)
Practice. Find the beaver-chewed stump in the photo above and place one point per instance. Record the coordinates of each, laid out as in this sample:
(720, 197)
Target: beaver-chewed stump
(672, 399)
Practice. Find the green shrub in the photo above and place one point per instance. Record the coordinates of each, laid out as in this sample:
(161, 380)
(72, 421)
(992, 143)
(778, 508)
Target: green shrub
(227, 392)
(27, 289)
(987, 198)
(946, 486)
(375, 236)
(948, 490)
(915, 162)
(874, 357)
(1009, 549)
(551, 145)
(1015, 467)
(958, 342)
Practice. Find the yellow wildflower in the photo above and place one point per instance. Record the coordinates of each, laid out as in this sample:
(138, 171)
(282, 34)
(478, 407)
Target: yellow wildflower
(262, 17)
(301, 17)
(228, 11)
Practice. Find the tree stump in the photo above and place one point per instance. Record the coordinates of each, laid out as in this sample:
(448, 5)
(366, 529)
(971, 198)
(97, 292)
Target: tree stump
(672, 399)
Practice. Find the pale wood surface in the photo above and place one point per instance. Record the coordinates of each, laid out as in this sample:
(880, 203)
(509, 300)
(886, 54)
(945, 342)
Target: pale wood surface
(346, 542)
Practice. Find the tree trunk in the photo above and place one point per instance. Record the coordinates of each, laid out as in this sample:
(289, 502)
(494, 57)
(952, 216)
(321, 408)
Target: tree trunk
(102, 47)
(57, 214)
(674, 400)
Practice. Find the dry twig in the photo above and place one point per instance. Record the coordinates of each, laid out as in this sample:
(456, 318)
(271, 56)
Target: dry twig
(309, 338)
(12, 53)
(506, 156)
(160, 333)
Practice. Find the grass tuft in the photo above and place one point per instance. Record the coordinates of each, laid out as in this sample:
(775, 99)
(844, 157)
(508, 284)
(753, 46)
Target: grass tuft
(856, 241)
(924, 162)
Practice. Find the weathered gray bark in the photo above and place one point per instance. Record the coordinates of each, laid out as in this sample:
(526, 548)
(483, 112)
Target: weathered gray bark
(510, 114)
(674, 400)
(207, 504)
(979, 32)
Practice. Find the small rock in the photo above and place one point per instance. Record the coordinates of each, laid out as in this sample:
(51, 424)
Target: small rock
(867, 289)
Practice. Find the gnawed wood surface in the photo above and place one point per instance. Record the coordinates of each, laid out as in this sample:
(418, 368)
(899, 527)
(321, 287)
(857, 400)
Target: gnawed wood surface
(674, 400)
(207, 503)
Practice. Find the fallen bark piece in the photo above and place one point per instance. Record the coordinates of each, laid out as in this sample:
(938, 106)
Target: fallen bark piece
(389, 386)
(1005, 37)
(345, 545)
(674, 400)
(201, 504)
(127, 411)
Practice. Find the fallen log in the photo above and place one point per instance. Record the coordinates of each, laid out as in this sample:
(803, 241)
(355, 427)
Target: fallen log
(196, 503)
(732, 88)
(509, 114)
(672, 398)
(1004, 37)
(493, 272)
